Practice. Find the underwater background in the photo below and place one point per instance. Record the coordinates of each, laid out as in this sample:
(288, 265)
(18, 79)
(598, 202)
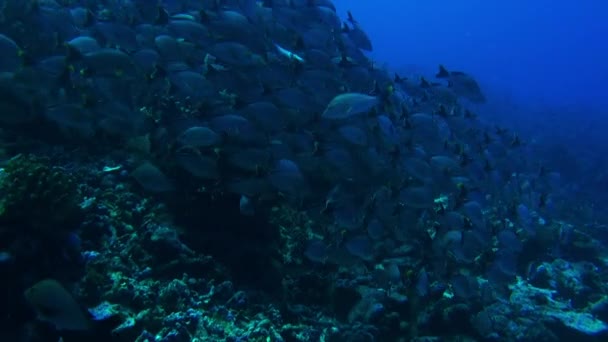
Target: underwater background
(303, 170)
(541, 64)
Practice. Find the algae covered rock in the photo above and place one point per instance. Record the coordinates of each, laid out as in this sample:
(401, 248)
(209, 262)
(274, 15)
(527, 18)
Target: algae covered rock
(38, 196)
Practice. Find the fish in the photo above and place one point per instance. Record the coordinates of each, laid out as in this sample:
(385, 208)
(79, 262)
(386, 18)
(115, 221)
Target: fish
(12, 55)
(357, 35)
(151, 178)
(462, 84)
(290, 55)
(347, 105)
(53, 303)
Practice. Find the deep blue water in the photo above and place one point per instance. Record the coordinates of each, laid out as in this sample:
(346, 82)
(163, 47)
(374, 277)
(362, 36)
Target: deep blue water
(538, 53)
(541, 64)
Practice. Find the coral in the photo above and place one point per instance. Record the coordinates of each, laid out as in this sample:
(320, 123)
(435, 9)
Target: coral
(38, 195)
(535, 313)
(295, 228)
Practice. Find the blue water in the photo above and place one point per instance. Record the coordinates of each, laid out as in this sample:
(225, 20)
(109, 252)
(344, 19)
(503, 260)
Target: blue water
(540, 54)
(547, 52)
(541, 64)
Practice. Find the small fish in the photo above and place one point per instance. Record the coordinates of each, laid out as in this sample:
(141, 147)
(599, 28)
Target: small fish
(245, 206)
(107, 169)
(289, 54)
(53, 303)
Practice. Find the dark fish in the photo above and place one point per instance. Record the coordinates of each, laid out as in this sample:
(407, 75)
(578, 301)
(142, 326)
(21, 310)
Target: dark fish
(82, 17)
(54, 304)
(246, 206)
(16, 107)
(316, 251)
(417, 197)
(353, 135)
(375, 229)
(348, 105)
(199, 136)
(109, 62)
(462, 84)
(151, 178)
(72, 119)
(84, 44)
(360, 246)
(10, 55)
(358, 37)
(235, 54)
(287, 177)
(118, 36)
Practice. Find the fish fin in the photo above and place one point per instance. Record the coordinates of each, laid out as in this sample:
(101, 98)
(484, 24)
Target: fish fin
(351, 18)
(90, 19)
(162, 17)
(345, 28)
(27, 60)
(424, 83)
(64, 79)
(344, 61)
(299, 44)
(443, 72)
(267, 90)
(204, 17)
(398, 79)
(72, 54)
(158, 72)
(216, 6)
(442, 111)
